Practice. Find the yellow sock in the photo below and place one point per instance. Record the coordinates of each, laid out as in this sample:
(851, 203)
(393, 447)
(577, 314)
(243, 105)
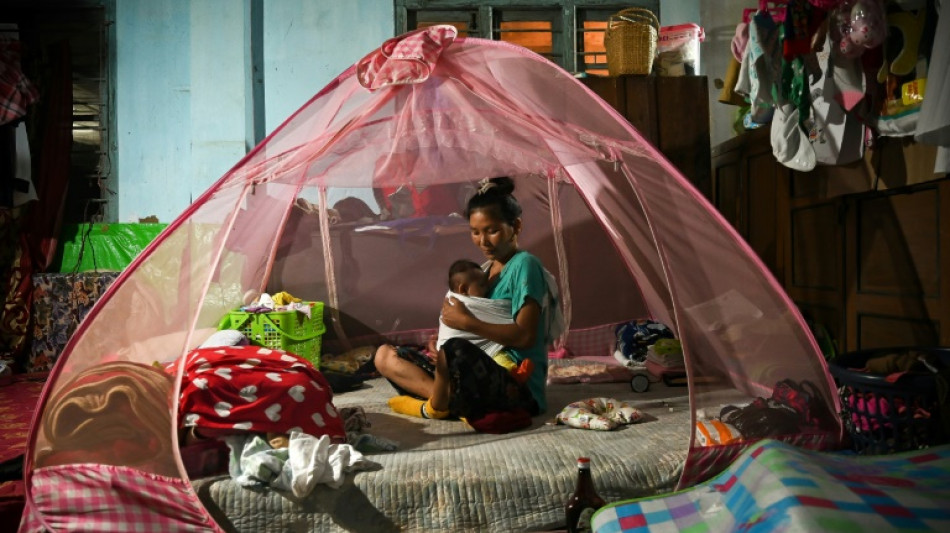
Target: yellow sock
(406, 405)
(431, 412)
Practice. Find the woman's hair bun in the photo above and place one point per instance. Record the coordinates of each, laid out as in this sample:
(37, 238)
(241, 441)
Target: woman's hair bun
(503, 184)
(496, 193)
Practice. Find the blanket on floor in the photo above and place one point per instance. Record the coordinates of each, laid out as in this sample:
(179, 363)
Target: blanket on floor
(773, 486)
(444, 476)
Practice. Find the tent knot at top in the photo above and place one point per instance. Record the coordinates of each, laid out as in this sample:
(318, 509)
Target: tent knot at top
(407, 58)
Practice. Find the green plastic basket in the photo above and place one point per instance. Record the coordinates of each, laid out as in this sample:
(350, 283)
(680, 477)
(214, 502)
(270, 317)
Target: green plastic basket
(290, 331)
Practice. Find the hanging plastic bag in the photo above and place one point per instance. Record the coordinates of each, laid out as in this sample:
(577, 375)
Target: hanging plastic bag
(858, 25)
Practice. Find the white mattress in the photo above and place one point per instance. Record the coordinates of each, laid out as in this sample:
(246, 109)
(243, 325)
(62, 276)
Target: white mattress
(446, 477)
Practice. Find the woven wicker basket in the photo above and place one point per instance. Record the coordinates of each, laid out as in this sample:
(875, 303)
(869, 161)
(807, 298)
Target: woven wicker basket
(630, 41)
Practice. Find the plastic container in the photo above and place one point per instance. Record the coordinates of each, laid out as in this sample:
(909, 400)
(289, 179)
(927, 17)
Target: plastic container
(884, 417)
(678, 50)
(290, 331)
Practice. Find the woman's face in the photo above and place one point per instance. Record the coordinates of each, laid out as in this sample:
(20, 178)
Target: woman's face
(493, 236)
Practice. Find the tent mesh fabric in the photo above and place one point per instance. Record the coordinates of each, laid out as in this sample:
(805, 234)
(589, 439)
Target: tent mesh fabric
(355, 201)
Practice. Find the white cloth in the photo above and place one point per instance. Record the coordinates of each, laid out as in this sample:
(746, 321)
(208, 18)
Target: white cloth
(836, 137)
(23, 167)
(942, 164)
(297, 469)
(484, 309)
(498, 311)
(315, 461)
(557, 324)
(933, 125)
(790, 144)
(225, 337)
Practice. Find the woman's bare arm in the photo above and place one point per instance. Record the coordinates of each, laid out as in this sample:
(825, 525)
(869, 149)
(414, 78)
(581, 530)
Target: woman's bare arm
(521, 334)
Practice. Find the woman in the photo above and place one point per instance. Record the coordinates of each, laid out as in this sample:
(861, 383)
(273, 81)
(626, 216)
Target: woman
(464, 381)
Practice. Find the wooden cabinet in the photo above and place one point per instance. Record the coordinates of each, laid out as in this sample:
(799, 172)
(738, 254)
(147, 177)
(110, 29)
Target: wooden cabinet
(815, 243)
(865, 264)
(670, 112)
(897, 251)
(746, 188)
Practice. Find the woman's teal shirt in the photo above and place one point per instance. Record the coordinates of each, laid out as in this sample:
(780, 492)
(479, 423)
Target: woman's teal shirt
(522, 278)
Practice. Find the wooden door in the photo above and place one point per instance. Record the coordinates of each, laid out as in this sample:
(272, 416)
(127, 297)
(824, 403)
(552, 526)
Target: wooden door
(762, 201)
(814, 276)
(896, 255)
(727, 174)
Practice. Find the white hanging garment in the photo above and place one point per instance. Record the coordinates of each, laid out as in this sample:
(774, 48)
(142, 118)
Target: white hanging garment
(836, 137)
(933, 126)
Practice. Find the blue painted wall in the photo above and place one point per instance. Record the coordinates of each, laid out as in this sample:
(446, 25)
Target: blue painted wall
(308, 43)
(181, 91)
(184, 106)
(679, 12)
(153, 109)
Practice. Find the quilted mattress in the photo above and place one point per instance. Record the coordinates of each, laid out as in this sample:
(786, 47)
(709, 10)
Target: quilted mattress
(446, 477)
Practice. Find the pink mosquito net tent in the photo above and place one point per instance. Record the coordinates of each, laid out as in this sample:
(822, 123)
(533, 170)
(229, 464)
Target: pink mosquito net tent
(413, 125)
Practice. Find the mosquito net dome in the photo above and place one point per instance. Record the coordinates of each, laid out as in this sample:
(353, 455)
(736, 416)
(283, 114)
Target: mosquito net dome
(408, 132)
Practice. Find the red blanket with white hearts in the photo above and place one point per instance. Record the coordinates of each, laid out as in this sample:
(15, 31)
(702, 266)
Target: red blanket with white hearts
(233, 389)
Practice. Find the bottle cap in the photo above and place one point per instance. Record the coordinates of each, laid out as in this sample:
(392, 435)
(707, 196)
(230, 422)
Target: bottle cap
(583, 460)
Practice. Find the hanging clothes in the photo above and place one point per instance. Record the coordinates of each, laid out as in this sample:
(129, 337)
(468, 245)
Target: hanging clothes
(759, 70)
(53, 160)
(16, 91)
(933, 126)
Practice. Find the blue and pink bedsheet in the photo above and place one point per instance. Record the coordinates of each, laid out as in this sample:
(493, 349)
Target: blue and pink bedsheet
(773, 486)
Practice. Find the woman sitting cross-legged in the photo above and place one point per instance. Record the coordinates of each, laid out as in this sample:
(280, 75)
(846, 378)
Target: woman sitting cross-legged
(463, 380)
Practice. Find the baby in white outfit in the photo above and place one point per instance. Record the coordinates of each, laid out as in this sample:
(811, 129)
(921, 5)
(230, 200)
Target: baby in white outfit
(468, 283)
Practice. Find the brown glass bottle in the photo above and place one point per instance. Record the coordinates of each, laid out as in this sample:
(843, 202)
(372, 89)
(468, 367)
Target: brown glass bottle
(585, 500)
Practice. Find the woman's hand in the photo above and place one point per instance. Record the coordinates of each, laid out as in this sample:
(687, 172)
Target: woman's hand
(455, 314)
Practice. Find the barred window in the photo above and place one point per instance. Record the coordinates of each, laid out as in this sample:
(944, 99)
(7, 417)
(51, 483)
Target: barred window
(568, 33)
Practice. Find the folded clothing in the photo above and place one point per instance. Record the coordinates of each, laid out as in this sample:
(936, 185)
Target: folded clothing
(588, 373)
(666, 353)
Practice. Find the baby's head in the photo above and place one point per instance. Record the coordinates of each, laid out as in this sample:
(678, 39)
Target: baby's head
(466, 277)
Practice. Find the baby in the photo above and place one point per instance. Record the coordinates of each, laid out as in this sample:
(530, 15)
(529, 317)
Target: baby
(468, 283)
